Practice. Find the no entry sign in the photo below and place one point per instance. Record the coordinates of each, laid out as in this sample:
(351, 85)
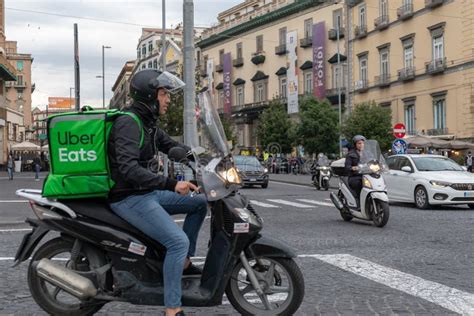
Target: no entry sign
(399, 130)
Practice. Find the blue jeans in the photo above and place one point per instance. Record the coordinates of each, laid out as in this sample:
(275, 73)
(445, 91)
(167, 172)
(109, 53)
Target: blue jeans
(150, 213)
(37, 171)
(10, 173)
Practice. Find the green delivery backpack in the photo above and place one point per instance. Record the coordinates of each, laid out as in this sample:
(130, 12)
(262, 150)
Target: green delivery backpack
(78, 153)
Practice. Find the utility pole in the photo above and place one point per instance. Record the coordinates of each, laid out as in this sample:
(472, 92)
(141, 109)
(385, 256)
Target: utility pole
(163, 36)
(77, 81)
(338, 82)
(103, 75)
(190, 128)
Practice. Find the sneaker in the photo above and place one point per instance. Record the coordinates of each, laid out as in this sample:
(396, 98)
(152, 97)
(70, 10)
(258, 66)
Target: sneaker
(192, 270)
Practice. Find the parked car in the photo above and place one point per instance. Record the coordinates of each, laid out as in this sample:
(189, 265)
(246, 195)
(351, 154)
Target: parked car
(251, 171)
(428, 180)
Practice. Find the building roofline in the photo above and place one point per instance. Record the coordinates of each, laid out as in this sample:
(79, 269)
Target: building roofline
(236, 7)
(127, 67)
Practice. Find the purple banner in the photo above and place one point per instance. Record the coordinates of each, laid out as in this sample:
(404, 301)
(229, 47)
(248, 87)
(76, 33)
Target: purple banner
(227, 83)
(319, 60)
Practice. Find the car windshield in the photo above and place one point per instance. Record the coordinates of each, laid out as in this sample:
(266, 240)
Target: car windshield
(246, 161)
(436, 164)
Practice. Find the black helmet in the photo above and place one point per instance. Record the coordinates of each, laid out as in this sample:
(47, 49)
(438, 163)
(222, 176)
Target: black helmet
(358, 138)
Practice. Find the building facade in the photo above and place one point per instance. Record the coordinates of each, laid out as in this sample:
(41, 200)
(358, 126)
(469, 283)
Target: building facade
(255, 35)
(121, 87)
(15, 107)
(416, 57)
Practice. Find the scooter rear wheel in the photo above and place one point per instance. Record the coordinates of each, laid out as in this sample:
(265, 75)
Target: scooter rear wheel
(345, 215)
(282, 283)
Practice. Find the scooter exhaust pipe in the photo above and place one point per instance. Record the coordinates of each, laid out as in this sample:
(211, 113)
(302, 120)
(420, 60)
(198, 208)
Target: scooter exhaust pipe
(337, 202)
(64, 278)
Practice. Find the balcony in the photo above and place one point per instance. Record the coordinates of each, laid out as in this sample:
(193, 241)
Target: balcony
(219, 68)
(332, 34)
(406, 74)
(333, 96)
(361, 85)
(306, 42)
(258, 58)
(360, 31)
(430, 4)
(405, 12)
(436, 66)
(383, 80)
(437, 131)
(381, 22)
(280, 49)
(352, 3)
(238, 62)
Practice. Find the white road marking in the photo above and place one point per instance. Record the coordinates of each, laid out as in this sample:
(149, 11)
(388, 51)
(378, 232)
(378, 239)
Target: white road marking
(284, 202)
(263, 204)
(439, 294)
(14, 201)
(316, 202)
(290, 184)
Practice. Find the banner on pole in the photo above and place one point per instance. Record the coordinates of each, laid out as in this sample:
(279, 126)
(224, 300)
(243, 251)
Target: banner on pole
(292, 74)
(319, 60)
(210, 75)
(227, 60)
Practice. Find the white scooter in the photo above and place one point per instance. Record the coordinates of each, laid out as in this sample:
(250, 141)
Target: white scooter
(372, 204)
(322, 174)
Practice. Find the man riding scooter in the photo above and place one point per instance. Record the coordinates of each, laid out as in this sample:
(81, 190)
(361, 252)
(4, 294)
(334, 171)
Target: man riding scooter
(352, 164)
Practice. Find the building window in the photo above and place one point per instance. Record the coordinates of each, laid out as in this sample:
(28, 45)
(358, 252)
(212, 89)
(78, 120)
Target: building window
(384, 62)
(260, 88)
(438, 47)
(198, 58)
(19, 80)
(362, 15)
(439, 111)
(143, 66)
(337, 19)
(283, 87)
(239, 50)
(338, 76)
(20, 95)
(282, 33)
(144, 50)
(260, 44)
(308, 82)
(155, 64)
(410, 118)
(19, 65)
(384, 8)
(239, 95)
(363, 68)
(408, 54)
(221, 98)
(308, 28)
(139, 53)
(150, 47)
(221, 57)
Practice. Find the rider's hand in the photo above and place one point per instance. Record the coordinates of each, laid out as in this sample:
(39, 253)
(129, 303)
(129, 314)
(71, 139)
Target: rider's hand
(355, 168)
(183, 187)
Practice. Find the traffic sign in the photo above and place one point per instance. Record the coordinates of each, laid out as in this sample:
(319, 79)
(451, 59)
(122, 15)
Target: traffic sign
(399, 130)
(399, 146)
(43, 136)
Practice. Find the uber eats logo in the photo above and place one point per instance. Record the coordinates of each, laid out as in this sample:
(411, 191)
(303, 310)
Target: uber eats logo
(68, 139)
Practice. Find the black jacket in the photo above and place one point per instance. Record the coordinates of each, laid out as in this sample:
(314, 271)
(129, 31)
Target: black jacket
(352, 160)
(129, 163)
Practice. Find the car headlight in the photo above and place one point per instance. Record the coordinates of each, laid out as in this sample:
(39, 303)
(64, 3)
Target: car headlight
(366, 183)
(231, 176)
(374, 167)
(439, 184)
(265, 170)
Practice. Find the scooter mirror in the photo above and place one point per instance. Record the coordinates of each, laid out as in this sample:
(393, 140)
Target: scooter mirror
(177, 154)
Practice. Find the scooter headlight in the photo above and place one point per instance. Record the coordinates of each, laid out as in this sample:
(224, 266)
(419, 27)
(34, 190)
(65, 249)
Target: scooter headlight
(375, 167)
(231, 176)
(366, 183)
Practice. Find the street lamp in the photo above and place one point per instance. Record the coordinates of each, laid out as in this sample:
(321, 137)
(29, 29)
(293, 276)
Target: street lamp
(103, 75)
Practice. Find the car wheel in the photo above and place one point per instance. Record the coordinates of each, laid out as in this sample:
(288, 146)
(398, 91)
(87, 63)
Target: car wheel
(471, 206)
(265, 185)
(421, 198)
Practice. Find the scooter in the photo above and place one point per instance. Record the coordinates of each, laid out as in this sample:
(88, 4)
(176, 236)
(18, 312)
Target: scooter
(321, 177)
(372, 203)
(99, 258)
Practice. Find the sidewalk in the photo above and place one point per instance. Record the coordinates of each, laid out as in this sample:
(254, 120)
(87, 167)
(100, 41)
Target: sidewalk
(300, 180)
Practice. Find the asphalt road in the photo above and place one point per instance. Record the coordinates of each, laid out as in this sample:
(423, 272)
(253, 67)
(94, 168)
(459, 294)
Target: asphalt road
(421, 263)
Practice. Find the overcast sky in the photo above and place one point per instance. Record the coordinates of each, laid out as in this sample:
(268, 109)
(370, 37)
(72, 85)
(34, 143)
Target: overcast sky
(49, 38)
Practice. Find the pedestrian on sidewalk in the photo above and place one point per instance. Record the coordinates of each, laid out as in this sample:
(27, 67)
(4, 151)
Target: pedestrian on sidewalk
(10, 166)
(468, 161)
(36, 167)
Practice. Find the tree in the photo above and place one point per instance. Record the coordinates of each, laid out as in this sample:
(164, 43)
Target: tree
(371, 121)
(229, 129)
(319, 128)
(275, 128)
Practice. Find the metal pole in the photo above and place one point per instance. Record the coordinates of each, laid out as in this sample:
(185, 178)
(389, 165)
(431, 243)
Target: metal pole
(103, 78)
(190, 129)
(77, 81)
(338, 82)
(163, 36)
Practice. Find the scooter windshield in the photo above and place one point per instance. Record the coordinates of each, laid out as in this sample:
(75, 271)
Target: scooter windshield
(212, 157)
(323, 161)
(372, 155)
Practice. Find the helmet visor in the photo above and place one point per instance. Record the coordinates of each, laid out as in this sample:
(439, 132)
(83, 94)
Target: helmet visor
(169, 82)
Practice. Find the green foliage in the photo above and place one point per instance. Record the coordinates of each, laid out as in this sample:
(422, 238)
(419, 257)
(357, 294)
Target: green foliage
(371, 121)
(319, 127)
(275, 128)
(229, 129)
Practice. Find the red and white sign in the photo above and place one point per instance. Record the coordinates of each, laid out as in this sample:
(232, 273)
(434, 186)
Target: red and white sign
(399, 130)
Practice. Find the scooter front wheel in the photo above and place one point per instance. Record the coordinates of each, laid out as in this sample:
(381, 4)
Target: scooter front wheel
(381, 214)
(281, 281)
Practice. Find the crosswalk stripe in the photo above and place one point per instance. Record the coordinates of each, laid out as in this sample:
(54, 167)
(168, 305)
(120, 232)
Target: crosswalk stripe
(263, 204)
(316, 202)
(284, 202)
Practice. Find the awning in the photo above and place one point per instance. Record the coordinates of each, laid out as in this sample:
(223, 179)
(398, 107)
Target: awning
(238, 82)
(457, 144)
(26, 146)
(423, 141)
(281, 72)
(220, 86)
(307, 65)
(204, 89)
(333, 59)
(259, 76)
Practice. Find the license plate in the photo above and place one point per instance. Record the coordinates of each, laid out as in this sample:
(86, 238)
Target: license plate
(253, 180)
(468, 194)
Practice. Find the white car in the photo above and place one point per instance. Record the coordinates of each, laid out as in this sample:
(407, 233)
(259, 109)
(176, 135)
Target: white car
(428, 180)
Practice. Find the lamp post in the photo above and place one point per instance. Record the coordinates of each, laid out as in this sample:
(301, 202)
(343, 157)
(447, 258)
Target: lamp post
(103, 75)
(338, 83)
